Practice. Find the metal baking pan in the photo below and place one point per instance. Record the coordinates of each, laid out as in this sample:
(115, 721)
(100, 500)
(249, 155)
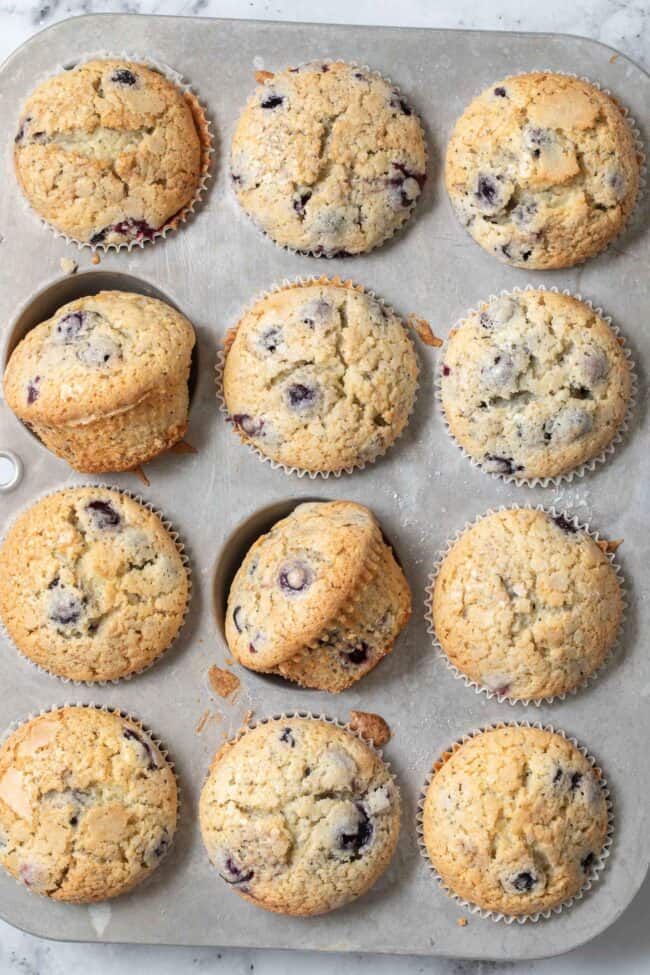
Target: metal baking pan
(423, 490)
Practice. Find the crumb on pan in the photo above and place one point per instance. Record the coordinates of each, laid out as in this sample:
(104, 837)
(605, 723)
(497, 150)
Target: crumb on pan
(201, 723)
(67, 265)
(262, 76)
(222, 682)
(370, 726)
(139, 473)
(612, 546)
(183, 447)
(462, 922)
(424, 331)
(95, 259)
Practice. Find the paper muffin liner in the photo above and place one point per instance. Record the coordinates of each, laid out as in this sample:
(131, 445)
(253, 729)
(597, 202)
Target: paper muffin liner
(150, 736)
(587, 465)
(476, 686)
(634, 216)
(180, 547)
(390, 233)
(222, 355)
(601, 858)
(204, 131)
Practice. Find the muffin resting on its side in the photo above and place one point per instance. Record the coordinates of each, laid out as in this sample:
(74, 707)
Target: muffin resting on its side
(88, 804)
(111, 152)
(515, 820)
(103, 382)
(543, 170)
(328, 158)
(320, 376)
(299, 816)
(320, 599)
(92, 585)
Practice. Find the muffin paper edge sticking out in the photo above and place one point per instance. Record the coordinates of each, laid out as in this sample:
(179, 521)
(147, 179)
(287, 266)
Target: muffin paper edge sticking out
(600, 860)
(148, 733)
(205, 135)
(479, 688)
(180, 548)
(227, 341)
(588, 465)
(401, 228)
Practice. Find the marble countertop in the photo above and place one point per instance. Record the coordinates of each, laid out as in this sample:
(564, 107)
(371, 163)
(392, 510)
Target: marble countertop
(623, 24)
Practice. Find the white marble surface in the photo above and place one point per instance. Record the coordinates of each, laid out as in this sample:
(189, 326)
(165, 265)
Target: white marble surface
(624, 24)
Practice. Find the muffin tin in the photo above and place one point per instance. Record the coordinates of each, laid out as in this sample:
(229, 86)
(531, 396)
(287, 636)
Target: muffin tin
(422, 491)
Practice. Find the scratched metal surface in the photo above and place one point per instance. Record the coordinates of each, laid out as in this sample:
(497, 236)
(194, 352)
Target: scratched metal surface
(423, 490)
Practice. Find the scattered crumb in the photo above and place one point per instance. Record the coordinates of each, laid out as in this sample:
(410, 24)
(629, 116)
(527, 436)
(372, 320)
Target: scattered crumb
(462, 922)
(612, 546)
(183, 447)
(223, 683)
(141, 475)
(229, 661)
(370, 726)
(613, 59)
(248, 717)
(262, 76)
(68, 266)
(95, 259)
(423, 329)
(203, 720)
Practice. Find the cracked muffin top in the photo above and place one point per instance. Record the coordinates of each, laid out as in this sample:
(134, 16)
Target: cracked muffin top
(110, 151)
(534, 384)
(92, 585)
(515, 819)
(97, 356)
(328, 158)
(543, 170)
(88, 804)
(526, 604)
(320, 377)
(299, 816)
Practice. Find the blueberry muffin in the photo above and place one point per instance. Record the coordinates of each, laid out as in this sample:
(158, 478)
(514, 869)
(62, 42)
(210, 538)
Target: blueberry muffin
(103, 382)
(515, 820)
(88, 804)
(535, 384)
(320, 599)
(320, 377)
(526, 604)
(328, 159)
(299, 816)
(92, 585)
(543, 170)
(111, 152)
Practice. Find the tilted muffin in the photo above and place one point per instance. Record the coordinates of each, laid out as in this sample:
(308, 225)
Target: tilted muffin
(92, 585)
(535, 384)
(299, 816)
(526, 604)
(320, 377)
(543, 170)
(515, 820)
(111, 152)
(328, 158)
(320, 599)
(103, 382)
(88, 804)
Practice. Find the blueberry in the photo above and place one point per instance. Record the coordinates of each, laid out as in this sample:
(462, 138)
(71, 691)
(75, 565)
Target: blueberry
(73, 821)
(588, 861)
(557, 777)
(299, 202)
(300, 397)
(55, 581)
(500, 92)
(33, 390)
(535, 139)
(446, 371)
(398, 103)
(357, 654)
(501, 465)
(99, 237)
(272, 101)
(315, 311)
(487, 190)
(157, 849)
(500, 372)
(405, 186)
(65, 609)
(133, 229)
(122, 76)
(288, 738)
(570, 424)
(566, 525)
(233, 874)
(270, 338)
(251, 648)
(103, 514)
(579, 392)
(131, 735)
(98, 351)
(295, 577)
(524, 881)
(576, 779)
(355, 842)
(250, 425)
(523, 213)
(20, 135)
(70, 325)
(237, 618)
